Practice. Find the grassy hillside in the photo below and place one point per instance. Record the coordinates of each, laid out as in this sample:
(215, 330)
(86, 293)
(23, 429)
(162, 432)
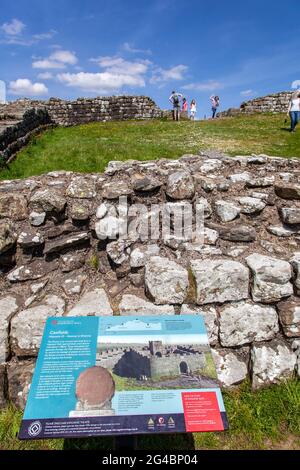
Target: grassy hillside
(267, 419)
(88, 148)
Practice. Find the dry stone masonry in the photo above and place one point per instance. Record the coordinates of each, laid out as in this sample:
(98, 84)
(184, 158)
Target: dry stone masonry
(21, 118)
(274, 103)
(57, 258)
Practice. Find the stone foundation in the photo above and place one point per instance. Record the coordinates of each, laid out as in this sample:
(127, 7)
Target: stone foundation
(56, 259)
(275, 103)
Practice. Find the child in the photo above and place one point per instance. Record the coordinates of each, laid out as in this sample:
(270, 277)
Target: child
(193, 110)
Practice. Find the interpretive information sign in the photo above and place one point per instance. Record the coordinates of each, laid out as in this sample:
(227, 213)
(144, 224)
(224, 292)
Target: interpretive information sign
(123, 375)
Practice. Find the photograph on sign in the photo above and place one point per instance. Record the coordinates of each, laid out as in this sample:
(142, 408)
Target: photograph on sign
(123, 375)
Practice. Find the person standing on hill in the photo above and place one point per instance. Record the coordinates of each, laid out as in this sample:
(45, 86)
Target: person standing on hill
(175, 99)
(184, 105)
(215, 102)
(294, 110)
(193, 109)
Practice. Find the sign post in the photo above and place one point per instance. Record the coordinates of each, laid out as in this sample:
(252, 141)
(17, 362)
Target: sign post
(123, 376)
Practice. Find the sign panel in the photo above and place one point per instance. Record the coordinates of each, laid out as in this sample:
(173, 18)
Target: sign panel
(123, 375)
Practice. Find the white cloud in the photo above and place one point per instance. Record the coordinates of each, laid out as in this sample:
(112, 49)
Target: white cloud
(14, 28)
(295, 84)
(104, 82)
(165, 75)
(48, 64)
(45, 76)
(127, 47)
(210, 85)
(43, 36)
(57, 60)
(248, 93)
(118, 65)
(25, 87)
(65, 57)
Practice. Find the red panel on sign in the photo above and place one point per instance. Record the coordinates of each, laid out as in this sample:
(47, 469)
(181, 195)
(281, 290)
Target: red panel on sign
(201, 411)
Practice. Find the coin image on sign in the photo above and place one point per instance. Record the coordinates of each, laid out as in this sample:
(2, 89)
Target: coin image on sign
(94, 391)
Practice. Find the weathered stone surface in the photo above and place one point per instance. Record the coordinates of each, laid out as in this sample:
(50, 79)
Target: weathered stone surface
(47, 200)
(82, 188)
(80, 210)
(95, 387)
(227, 211)
(2, 386)
(145, 183)
(30, 239)
(295, 261)
(8, 236)
(288, 191)
(66, 242)
(101, 211)
(271, 363)
(281, 231)
(13, 206)
(133, 305)
(72, 261)
(37, 218)
(251, 205)
(231, 368)
(204, 206)
(27, 326)
(180, 185)
(141, 254)
(119, 250)
(289, 316)
(260, 182)
(210, 165)
(166, 281)
(290, 215)
(220, 281)
(28, 272)
(240, 177)
(245, 322)
(73, 284)
(235, 233)
(8, 306)
(19, 374)
(107, 228)
(271, 278)
(115, 190)
(210, 317)
(93, 303)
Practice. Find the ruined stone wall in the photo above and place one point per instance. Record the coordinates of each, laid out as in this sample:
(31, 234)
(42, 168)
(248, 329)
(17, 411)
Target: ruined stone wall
(170, 366)
(56, 259)
(275, 103)
(19, 119)
(16, 130)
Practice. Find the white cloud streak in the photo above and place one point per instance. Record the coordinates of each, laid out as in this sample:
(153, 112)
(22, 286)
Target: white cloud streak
(210, 85)
(57, 60)
(165, 75)
(14, 28)
(24, 87)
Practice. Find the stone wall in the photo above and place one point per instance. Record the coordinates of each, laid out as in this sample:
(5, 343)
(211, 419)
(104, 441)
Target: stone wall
(19, 119)
(275, 103)
(16, 130)
(56, 259)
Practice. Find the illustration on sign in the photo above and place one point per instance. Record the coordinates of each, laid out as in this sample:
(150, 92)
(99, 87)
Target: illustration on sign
(123, 375)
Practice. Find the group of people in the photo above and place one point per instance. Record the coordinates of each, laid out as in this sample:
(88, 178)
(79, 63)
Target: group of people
(180, 104)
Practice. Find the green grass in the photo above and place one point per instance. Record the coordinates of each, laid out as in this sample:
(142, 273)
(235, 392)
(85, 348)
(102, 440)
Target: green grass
(88, 148)
(266, 419)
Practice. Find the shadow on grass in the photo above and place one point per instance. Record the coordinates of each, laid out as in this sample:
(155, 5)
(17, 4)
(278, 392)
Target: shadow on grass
(182, 441)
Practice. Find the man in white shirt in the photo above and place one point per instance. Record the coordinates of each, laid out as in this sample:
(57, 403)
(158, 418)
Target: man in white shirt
(175, 99)
(294, 110)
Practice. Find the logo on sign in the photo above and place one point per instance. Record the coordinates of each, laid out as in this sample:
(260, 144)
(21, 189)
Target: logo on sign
(161, 420)
(35, 429)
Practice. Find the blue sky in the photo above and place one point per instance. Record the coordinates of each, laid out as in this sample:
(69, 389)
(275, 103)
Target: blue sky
(71, 48)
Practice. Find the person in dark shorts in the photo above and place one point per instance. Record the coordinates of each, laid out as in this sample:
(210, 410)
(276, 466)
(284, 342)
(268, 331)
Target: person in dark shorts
(215, 103)
(175, 99)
